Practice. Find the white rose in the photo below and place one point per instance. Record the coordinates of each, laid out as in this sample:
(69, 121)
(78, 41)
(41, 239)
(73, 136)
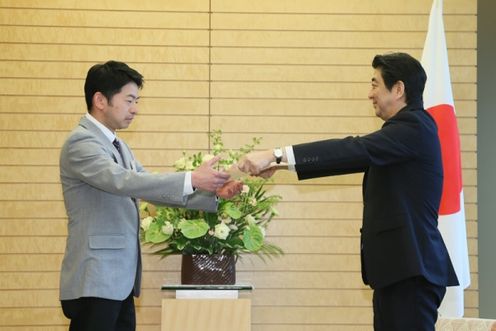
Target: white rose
(221, 231)
(167, 228)
(245, 189)
(146, 222)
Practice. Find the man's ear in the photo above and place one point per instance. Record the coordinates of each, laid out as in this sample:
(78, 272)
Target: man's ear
(99, 101)
(399, 90)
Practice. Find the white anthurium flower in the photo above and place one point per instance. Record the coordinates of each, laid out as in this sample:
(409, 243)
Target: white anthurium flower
(245, 189)
(146, 222)
(180, 164)
(167, 228)
(207, 157)
(221, 231)
(181, 221)
(250, 219)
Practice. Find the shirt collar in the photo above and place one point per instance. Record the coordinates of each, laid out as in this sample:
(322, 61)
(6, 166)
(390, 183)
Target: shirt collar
(106, 131)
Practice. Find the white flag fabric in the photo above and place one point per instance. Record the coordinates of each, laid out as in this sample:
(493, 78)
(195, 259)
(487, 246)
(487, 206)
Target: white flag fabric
(438, 101)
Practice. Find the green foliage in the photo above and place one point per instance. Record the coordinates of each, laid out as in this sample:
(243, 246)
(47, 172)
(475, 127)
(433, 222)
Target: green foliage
(238, 226)
(253, 238)
(192, 229)
(155, 234)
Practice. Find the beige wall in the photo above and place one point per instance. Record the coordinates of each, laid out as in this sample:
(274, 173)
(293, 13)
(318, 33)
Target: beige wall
(289, 71)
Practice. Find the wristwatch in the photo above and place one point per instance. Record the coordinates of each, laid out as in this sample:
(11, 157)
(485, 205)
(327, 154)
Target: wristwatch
(278, 154)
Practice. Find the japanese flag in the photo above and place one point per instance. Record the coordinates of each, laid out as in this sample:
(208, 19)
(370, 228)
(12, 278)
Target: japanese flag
(438, 100)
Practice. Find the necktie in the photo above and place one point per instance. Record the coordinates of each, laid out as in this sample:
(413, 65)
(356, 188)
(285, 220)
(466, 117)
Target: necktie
(117, 145)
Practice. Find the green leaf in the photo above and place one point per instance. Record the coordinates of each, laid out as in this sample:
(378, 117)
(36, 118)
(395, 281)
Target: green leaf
(211, 218)
(192, 229)
(155, 235)
(181, 243)
(253, 238)
(233, 211)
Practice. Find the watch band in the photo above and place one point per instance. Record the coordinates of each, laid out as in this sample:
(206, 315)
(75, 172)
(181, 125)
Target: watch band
(278, 155)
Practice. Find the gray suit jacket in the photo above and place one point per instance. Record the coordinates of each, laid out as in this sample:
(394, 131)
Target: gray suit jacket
(102, 256)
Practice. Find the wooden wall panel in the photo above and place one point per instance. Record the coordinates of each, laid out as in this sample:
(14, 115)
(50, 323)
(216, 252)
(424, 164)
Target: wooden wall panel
(332, 21)
(382, 7)
(387, 39)
(74, 52)
(112, 5)
(72, 105)
(111, 19)
(103, 36)
(312, 73)
(66, 70)
(288, 72)
(324, 56)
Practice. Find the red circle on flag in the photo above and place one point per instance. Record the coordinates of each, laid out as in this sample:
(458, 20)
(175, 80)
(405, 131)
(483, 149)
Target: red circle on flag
(444, 115)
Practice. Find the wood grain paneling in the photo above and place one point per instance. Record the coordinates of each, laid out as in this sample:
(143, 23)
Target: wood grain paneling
(286, 71)
(322, 56)
(341, 7)
(17, 51)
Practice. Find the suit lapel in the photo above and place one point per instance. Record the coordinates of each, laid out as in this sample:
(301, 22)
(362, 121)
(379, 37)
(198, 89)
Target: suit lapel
(124, 159)
(88, 125)
(126, 156)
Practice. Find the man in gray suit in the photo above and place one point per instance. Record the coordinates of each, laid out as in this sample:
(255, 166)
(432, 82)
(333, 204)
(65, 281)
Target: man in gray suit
(102, 182)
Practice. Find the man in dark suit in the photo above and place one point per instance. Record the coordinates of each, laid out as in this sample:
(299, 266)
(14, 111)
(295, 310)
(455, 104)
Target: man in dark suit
(403, 255)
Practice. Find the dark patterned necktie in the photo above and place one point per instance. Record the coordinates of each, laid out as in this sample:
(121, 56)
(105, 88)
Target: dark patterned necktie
(117, 145)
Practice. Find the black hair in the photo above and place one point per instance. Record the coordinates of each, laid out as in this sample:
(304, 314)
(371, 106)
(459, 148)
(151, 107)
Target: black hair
(109, 78)
(403, 67)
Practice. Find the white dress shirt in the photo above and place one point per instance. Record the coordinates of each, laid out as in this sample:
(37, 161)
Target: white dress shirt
(291, 158)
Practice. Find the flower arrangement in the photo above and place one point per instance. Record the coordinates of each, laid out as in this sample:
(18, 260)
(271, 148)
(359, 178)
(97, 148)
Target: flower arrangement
(237, 227)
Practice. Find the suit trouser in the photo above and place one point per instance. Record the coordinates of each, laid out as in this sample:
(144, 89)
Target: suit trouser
(97, 314)
(409, 305)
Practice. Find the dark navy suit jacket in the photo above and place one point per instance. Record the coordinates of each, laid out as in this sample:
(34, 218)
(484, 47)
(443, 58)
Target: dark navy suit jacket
(402, 189)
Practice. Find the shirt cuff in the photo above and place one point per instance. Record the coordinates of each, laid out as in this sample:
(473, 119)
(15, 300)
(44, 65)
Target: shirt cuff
(291, 158)
(188, 187)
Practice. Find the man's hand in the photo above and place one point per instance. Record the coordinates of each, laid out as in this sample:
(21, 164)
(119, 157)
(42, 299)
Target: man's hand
(257, 163)
(206, 178)
(267, 173)
(230, 189)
